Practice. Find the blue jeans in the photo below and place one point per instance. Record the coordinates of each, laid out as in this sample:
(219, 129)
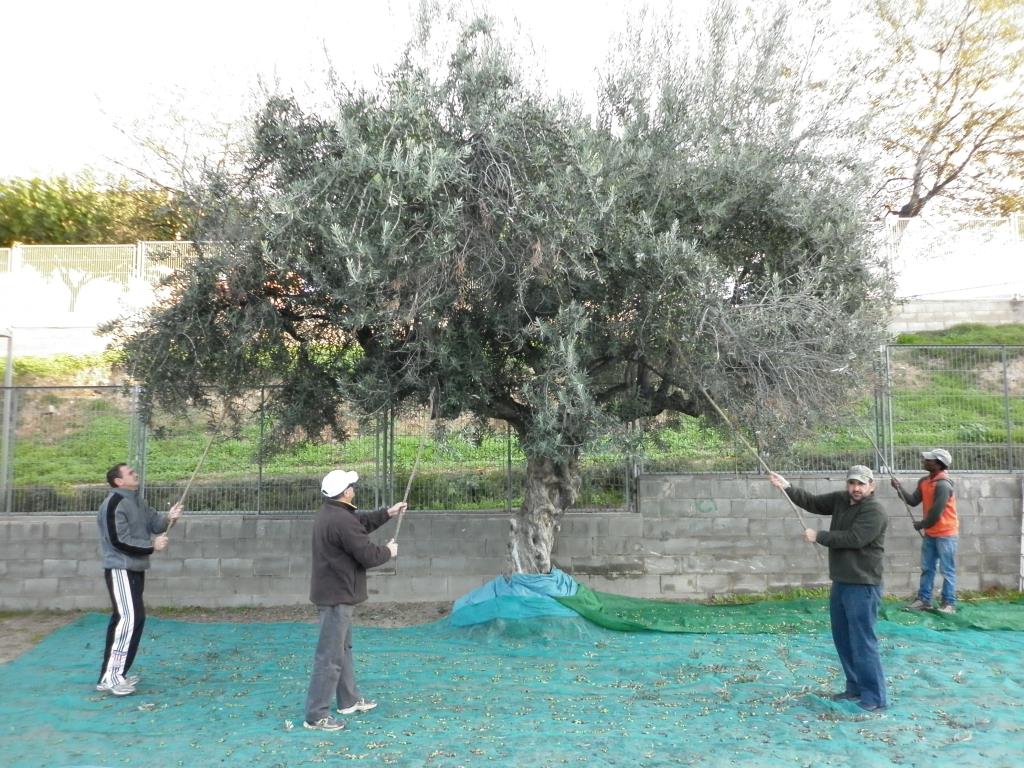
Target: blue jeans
(333, 677)
(854, 610)
(941, 551)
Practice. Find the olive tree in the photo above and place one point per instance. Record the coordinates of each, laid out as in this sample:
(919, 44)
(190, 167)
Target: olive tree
(460, 236)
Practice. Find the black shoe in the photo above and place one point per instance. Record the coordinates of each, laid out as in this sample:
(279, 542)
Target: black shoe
(870, 707)
(844, 696)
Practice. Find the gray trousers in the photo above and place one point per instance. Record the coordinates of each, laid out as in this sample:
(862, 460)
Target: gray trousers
(333, 676)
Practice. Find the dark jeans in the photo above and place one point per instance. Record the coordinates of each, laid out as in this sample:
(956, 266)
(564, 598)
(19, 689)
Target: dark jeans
(941, 551)
(333, 676)
(854, 610)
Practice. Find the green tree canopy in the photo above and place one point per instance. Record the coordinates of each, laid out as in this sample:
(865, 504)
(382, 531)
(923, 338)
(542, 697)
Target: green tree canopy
(458, 234)
(81, 210)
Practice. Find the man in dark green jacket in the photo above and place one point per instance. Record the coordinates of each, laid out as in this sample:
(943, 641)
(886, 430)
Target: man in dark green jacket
(342, 551)
(856, 543)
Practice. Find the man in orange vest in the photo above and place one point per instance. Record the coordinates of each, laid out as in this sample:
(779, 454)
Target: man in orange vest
(941, 529)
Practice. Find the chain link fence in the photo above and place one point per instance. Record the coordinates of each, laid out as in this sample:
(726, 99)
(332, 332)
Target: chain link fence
(58, 443)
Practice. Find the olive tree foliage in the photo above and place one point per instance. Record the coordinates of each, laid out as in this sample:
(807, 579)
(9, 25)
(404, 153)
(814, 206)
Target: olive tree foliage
(949, 103)
(457, 235)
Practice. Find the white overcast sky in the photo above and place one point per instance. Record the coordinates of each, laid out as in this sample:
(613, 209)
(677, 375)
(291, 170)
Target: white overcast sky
(76, 74)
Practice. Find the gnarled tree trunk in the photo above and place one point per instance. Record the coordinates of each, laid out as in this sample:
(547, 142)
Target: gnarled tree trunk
(551, 487)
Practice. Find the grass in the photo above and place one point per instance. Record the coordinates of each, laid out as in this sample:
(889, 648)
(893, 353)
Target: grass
(70, 441)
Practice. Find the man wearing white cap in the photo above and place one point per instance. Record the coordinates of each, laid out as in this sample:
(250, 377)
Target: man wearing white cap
(941, 528)
(342, 551)
(856, 543)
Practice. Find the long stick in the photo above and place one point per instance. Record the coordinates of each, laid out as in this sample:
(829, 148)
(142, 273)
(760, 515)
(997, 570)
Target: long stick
(757, 455)
(884, 463)
(194, 473)
(415, 466)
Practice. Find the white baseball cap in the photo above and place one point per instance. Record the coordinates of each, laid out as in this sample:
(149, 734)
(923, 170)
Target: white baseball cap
(336, 481)
(938, 454)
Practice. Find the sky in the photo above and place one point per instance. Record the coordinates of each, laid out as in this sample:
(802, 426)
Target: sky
(81, 79)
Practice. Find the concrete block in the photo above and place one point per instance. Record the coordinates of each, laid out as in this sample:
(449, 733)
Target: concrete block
(58, 568)
(42, 587)
(412, 566)
(26, 530)
(626, 525)
(429, 587)
(997, 507)
(24, 569)
(201, 567)
(748, 583)
(677, 546)
(231, 567)
(679, 586)
(586, 526)
(70, 530)
(466, 566)
(754, 509)
(200, 528)
(75, 550)
(631, 586)
(614, 545)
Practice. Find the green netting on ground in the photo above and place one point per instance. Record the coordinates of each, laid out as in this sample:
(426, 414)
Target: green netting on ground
(633, 614)
(535, 692)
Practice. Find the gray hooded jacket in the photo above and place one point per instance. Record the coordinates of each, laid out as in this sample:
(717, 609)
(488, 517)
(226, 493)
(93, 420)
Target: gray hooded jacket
(126, 527)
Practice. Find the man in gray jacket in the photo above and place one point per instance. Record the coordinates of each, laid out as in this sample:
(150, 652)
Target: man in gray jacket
(126, 530)
(342, 551)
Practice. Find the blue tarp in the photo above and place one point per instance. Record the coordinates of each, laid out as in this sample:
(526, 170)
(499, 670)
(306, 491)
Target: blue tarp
(520, 596)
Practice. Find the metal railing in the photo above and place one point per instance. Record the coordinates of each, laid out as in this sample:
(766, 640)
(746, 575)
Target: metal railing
(977, 250)
(60, 441)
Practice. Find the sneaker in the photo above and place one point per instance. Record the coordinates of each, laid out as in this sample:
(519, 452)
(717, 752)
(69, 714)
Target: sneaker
(844, 696)
(918, 605)
(947, 608)
(360, 706)
(325, 724)
(132, 680)
(116, 689)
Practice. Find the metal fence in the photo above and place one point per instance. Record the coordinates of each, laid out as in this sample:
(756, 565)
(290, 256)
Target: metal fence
(59, 442)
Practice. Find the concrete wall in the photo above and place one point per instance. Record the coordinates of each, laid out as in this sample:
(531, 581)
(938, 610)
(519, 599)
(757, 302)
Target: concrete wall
(694, 536)
(934, 315)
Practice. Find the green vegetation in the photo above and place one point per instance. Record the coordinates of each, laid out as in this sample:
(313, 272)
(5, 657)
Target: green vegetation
(67, 440)
(968, 333)
(62, 369)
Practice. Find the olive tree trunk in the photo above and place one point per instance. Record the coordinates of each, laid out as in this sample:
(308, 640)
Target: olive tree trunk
(551, 487)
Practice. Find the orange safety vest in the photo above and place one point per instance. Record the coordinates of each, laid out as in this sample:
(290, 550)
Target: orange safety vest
(948, 524)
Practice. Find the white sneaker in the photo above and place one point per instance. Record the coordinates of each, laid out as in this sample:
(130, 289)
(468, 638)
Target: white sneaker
(116, 689)
(131, 680)
(360, 706)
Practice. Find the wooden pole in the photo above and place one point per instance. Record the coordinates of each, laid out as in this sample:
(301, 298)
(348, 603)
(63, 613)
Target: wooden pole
(761, 461)
(884, 463)
(415, 466)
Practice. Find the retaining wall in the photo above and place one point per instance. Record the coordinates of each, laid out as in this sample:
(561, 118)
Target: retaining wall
(935, 315)
(694, 536)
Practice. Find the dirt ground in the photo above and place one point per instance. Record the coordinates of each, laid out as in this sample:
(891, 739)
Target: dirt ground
(21, 631)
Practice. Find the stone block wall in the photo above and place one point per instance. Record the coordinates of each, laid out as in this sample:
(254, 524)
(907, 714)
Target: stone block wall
(934, 315)
(693, 537)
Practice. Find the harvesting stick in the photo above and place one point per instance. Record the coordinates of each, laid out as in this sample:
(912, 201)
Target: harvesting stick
(412, 475)
(888, 469)
(761, 461)
(195, 472)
